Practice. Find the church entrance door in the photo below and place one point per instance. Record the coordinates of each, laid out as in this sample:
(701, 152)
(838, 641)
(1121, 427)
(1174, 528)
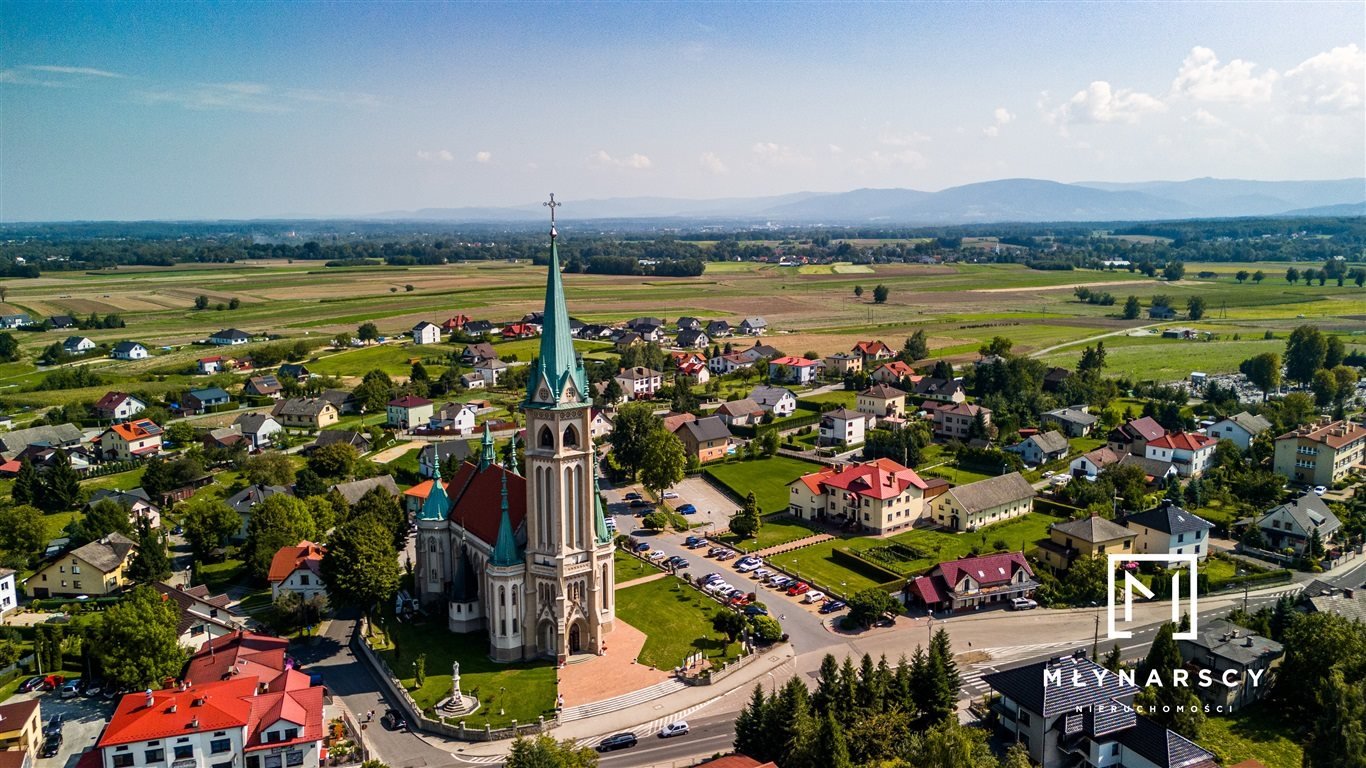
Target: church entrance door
(574, 639)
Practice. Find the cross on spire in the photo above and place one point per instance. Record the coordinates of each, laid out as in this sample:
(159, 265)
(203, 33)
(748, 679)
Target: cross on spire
(552, 205)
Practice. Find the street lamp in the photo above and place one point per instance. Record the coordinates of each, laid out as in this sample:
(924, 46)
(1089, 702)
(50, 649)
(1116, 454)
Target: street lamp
(501, 689)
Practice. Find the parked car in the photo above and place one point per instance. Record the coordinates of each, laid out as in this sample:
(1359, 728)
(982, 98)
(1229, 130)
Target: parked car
(1319, 490)
(813, 597)
(714, 551)
(780, 581)
(672, 559)
(52, 745)
(709, 578)
(1022, 604)
(762, 573)
(54, 725)
(744, 567)
(638, 503)
(31, 684)
(70, 689)
(617, 741)
(800, 588)
(691, 540)
(686, 509)
(94, 688)
(1049, 473)
(698, 545)
(611, 524)
(832, 606)
(53, 682)
(393, 721)
(670, 494)
(679, 728)
(658, 555)
(725, 555)
(632, 496)
(754, 609)
(681, 564)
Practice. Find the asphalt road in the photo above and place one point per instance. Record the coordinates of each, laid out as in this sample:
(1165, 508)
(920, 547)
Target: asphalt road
(708, 735)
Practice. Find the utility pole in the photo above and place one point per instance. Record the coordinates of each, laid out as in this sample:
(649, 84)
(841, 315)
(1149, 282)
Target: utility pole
(1095, 638)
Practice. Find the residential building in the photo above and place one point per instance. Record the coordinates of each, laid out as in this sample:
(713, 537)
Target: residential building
(792, 370)
(695, 371)
(266, 385)
(893, 371)
(304, 413)
(482, 328)
(753, 326)
(873, 352)
(740, 413)
(202, 400)
(1191, 452)
(202, 617)
(636, 323)
(624, 340)
(1041, 448)
(880, 496)
(1241, 428)
(722, 364)
(1134, 436)
(473, 353)
(688, 324)
(298, 569)
(95, 569)
(409, 412)
(225, 437)
(75, 345)
(692, 339)
(1054, 379)
(993, 500)
(258, 428)
(519, 331)
(129, 350)
(1243, 662)
(843, 427)
(137, 501)
(760, 351)
(343, 400)
(1161, 313)
(778, 401)
(706, 439)
(455, 323)
(62, 436)
(353, 491)
(672, 421)
(1089, 465)
(245, 500)
(650, 333)
(62, 322)
(21, 727)
(1093, 725)
(1322, 597)
(213, 364)
(453, 417)
(9, 599)
(118, 406)
(881, 400)
(974, 582)
(1321, 454)
(639, 382)
(718, 329)
(1083, 539)
(441, 453)
(491, 371)
(358, 440)
(229, 337)
(599, 425)
(1292, 525)
(1156, 473)
(426, 333)
(954, 421)
(18, 320)
(939, 390)
(136, 439)
(1169, 530)
(1074, 421)
(844, 363)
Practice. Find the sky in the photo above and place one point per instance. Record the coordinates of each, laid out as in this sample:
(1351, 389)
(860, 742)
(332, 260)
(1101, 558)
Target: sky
(187, 110)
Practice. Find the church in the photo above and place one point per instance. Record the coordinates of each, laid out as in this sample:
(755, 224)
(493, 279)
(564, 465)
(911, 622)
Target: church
(526, 558)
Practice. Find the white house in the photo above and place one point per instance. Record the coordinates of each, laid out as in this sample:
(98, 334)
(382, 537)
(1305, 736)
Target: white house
(298, 569)
(130, 350)
(843, 426)
(1089, 465)
(599, 425)
(793, 370)
(776, 400)
(968, 507)
(8, 601)
(490, 371)
(75, 345)
(1191, 452)
(1041, 448)
(723, 364)
(639, 381)
(229, 337)
(1241, 428)
(1169, 530)
(426, 333)
(119, 406)
(454, 417)
(258, 428)
(1292, 525)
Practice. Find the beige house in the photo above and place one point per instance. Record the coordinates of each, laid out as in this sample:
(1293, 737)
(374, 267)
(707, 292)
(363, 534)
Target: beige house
(305, 413)
(881, 400)
(842, 363)
(1321, 454)
(880, 496)
(969, 507)
(21, 726)
(136, 439)
(1083, 539)
(954, 421)
(95, 569)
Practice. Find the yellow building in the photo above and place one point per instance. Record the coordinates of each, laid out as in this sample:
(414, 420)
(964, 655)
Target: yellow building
(95, 569)
(1085, 538)
(21, 726)
(881, 400)
(996, 499)
(1321, 454)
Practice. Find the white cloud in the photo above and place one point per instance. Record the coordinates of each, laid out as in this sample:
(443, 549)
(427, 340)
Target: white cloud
(777, 155)
(52, 76)
(901, 139)
(442, 155)
(238, 97)
(1329, 82)
(836, 149)
(634, 160)
(1100, 103)
(1001, 116)
(484, 156)
(345, 98)
(713, 163)
(1204, 117)
(89, 71)
(445, 155)
(1201, 78)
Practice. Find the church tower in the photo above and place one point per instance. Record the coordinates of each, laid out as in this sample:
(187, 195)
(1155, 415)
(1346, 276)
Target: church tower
(568, 556)
(432, 572)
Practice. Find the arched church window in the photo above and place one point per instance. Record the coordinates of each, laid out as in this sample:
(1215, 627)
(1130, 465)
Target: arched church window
(546, 438)
(431, 545)
(571, 437)
(502, 596)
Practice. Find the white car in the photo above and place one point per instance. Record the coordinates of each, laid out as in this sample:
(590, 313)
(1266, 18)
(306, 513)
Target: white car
(1049, 473)
(762, 573)
(813, 597)
(1022, 604)
(611, 523)
(679, 728)
(747, 567)
(780, 581)
(673, 495)
(658, 555)
(1319, 490)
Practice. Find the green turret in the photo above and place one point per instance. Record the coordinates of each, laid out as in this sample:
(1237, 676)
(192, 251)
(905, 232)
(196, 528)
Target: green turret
(558, 366)
(599, 514)
(505, 550)
(487, 456)
(437, 505)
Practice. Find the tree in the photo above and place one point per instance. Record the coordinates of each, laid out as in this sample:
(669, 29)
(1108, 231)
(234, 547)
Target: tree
(1258, 276)
(655, 521)
(1264, 371)
(632, 430)
(209, 521)
(766, 629)
(543, 751)
(663, 462)
(950, 745)
(1113, 659)
(1337, 736)
(611, 394)
(61, 485)
(9, 348)
(375, 391)
(768, 442)
(880, 294)
(746, 522)
(367, 332)
(1132, 308)
(22, 530)
(999, 346)
(830, 748)
(138, 644)
(420, 670)
(729, 623)
(858, 291)
(1174, 271)
(234, 303)
(1242, 276)
(102, 518)
(917, 347)
(28, 486)
(201, 302)
(751, 737)
(1292, 275)
(1333, 351)
(1315, 644)
(419, 372)
(334, 461)
(361, 566)
(279, 521)
(1325, 387)
(382, 507)
(1305, 352)
(271, 468)
(1017, 757)
(868, 605)
(150, 562)
(1195, 307)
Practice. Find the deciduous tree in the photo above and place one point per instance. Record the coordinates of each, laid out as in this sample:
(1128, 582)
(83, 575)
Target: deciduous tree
(361, 565)
(138, 644)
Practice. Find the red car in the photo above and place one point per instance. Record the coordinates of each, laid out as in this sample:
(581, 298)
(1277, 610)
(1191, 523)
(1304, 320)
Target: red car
(800, 588)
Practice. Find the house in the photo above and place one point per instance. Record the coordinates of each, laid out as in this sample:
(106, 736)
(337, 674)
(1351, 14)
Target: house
(136, 439)
(636, 323)
(599, 425)
(304, 413)
(263, 721)
(241, 653)
(792, 370)
(1093, 725)
(639, 382)
(993, 500)
(298, 569)
(1241, 428)
(760, 351)
(624, 340)
(481, 328)
(453, 417)
(258, 428)
(1191, 452)
(692, 339)
(456, 323)
(1169, 530)
(21, 730)
(973, 582)
(1083, 539)
(1155, 472)
(893, 372)
(775, 400)
(473, 353)
(1292, 525)
(245, 500)
(694, 371)
(62, 322)
(45, 456)
(1054, 379)
(672, 421)
(118, 406)
(688, 324)
(137, 501)
(1133, 436)
(225, 437)
(844, 427)
(593, 331)
(753, 326)
(358, 440)
(740, 413)
(54, 436)
(345, 402)
(490, 371)
(214, 364)
(881, 400)
(939, 390)
(129, 350)
(718, 329)
(705, 439)
(426, 333)
(520, 331)
(844, 363)
(201, 617)
(263, 386)
(76, 345)
(354, 490)
(1161, 313)
(95, 569)
(10, 322)
(880, 496)
(409, 412)
(723, 364)
(201, 400)
(954, 421)
(1074, 421)
(1322, 597)
(1243, 662)
(650, 333)
(294, 371)
(1041, 448)
(1321, 454)
(8, 594)
(873, 352)
(433, 454)
(1090, 464)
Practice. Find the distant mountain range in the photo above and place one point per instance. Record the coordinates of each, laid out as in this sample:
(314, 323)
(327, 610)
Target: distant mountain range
(1007, 200)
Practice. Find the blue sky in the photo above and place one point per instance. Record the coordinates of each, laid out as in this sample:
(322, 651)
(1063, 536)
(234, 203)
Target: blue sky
(225, 110)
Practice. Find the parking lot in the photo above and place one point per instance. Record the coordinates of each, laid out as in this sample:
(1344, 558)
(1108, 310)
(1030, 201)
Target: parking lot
(85, 719)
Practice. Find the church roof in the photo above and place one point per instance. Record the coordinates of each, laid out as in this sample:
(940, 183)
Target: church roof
(435, 506)
(476, 499)
(505, 550)
(557, 366)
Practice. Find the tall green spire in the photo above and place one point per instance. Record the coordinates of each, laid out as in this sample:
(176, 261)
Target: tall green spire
(511, 464)
(487, 456)
(599, 514)
(505, 552)
(558, 366)
(437, 505)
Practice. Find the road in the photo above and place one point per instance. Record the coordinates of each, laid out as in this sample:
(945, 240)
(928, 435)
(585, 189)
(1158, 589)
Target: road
(707, 736)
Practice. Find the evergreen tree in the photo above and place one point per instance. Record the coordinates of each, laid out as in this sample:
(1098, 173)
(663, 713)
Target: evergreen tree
(61, 485)
(102, 518)
(150, 562)
(866, 696)
(1163, 655)
(1337, 736)
(1017, 757)
(28, 486)
(826, 681)
(1113, 659)
(830, 749)
(1131, 308)
(751, 734)
(942, 646)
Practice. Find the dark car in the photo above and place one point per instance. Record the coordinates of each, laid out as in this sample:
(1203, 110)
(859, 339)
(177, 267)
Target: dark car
(632, 496)
(178, 530)
(672, 560)
(691, 540)
(758, 610)
(617, 741)
(393, 721)
(832, 606)
(52, 745)
(636, 503)
(54, 725)
(31, 684)
(687, 509)
(643, 546)
(680, 564)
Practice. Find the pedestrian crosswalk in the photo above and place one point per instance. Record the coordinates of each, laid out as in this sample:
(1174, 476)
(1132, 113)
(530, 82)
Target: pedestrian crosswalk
(971, 675)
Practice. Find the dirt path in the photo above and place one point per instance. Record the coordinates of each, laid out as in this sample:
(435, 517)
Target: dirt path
(1070, 286)
(641, 580)
(393, 452)
(1089, 339)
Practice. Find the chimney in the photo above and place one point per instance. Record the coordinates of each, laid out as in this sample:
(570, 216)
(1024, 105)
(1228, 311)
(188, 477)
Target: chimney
(1350, 593)
(149, 698)
(171, 709)
(1248, 642)
(194, 724)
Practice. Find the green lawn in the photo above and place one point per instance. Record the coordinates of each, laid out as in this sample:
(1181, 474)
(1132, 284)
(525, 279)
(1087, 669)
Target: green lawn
(768, 478)
(831, 400)
(776, 529)
(122, 481)
(818, 564)
(1252, 733)
(219, 576)
(628, 567)
(676, 620)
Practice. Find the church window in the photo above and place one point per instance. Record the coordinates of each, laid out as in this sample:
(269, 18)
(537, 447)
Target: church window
(502, 596)
(503, 627)
(514, 625)
(431, 545)
(571, 437)
(605, 591)
(546, 439)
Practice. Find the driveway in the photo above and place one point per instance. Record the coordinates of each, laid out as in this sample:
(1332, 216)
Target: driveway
(85, 720)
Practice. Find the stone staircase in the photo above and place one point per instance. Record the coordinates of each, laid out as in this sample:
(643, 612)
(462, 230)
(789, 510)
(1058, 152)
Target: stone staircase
(592, 709)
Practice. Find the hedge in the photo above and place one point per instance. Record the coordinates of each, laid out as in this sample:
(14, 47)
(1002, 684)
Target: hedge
(1059, 509)
(855, 562)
